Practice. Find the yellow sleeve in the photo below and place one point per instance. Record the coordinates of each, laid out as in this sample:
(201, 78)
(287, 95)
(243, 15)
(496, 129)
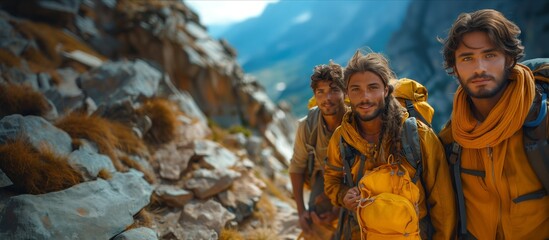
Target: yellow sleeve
(333, 172)
(438, 185)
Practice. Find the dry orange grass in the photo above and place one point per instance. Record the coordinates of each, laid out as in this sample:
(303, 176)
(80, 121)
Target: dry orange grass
(274, 190)
(109, 136)
(22, 99)
(156, 205)
(8, 58)
(141, 219)
(104, 174)
(230, 234)
(36, 172)
(51, 41)
(163, 115)
(265, 210)
(262, 233)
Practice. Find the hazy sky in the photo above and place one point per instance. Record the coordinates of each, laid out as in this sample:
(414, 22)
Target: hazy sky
(223, 12)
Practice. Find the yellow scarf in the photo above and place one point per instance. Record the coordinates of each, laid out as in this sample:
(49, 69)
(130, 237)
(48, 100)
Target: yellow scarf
(503, 120)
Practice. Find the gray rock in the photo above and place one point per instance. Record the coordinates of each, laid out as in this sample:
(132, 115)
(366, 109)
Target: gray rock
(168, 226)
(189, 131)
(186, 104)
(254, 147)
(210, 215)
(9, 39)
(86, 26)
(91, 210)
(270, 164)
(214, 155)
(172, 160)
(65, 6)
(19, 75)
(89, 163)
(84, 58)
(286, 222)
(36, 131)
(64, 103)
(227, 198)
(116, 81)
(246, 191)
(197, 31)
(141, 233)
(197, 231)
(277, 139)
(174, 196)
(4, 180)
(44, 80)
(169, 171)
(206, 183)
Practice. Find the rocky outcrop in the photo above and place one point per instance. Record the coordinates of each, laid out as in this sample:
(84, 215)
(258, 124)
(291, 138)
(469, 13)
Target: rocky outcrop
(103, 65)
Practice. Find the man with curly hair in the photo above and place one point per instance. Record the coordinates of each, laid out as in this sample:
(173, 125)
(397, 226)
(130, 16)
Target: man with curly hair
(500, 195)
(307, 163)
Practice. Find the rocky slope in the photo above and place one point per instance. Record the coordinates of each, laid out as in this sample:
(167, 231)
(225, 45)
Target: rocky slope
(125, 120)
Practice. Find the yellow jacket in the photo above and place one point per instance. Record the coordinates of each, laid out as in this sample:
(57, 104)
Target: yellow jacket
(496, 148)
(435, 176)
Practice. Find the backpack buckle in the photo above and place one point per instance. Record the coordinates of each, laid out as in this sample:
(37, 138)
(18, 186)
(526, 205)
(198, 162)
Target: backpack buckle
(454, 155)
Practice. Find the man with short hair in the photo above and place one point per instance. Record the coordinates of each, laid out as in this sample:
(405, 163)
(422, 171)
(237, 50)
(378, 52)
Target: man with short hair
(490, 107)
(307, 163)
(373, 128)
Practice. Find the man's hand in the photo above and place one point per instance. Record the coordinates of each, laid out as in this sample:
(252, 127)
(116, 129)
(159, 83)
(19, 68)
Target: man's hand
(350, 201)
(305, 221)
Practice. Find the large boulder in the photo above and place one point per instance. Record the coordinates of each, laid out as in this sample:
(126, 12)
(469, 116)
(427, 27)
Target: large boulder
(36, 131)
(117, 81)
(92, 210)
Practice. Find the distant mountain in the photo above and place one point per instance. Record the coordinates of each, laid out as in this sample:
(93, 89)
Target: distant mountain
(282, 45)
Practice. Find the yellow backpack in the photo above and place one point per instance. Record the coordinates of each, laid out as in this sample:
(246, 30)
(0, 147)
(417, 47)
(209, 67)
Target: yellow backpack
(413, 96)
(388, 208)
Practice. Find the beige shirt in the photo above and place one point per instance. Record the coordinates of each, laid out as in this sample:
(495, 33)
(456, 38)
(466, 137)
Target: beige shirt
(298, 163)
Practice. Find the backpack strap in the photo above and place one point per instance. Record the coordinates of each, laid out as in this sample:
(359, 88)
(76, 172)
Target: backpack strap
(453, 154)
(414, 113)
(536, 143)
(310, 136)
(411, 147)
(347, 155)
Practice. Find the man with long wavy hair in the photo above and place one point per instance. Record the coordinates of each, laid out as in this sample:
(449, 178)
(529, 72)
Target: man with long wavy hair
(490, 107)
(373, 128)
